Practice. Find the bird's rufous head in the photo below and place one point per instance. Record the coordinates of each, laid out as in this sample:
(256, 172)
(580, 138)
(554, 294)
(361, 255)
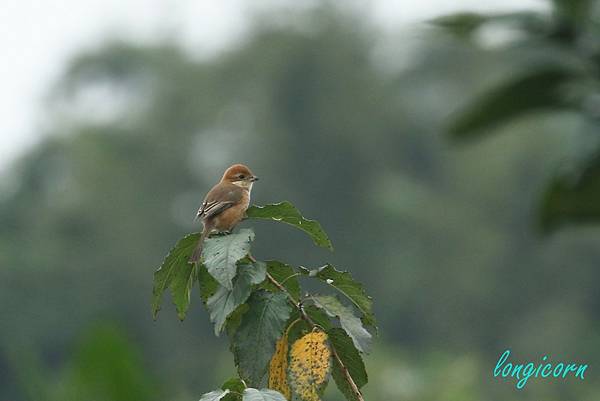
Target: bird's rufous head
(239, 175)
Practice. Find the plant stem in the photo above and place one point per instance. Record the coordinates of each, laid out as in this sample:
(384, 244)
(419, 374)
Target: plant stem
(297, 305)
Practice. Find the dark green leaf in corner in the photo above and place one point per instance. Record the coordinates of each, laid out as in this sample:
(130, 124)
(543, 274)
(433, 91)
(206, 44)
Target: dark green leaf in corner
(350, 288)
(176, 274)
(287, 213)
(254, 340)
(220, 255)
(573, 198)
(224, 301)
(531, 92)
(351, 359)
(252, 394)
(353, 326)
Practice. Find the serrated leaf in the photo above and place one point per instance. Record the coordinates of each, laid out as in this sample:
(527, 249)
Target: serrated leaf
(285, 275)
(214, 395)
(351, 359)
(287, 213)
(532, 91)
(252, 394)
(224, 301)
(309, 365)
(260, 328)
(176, 274)
(220, 255)
(573, 198)
(278, 368)
(353, 326)
(347, 286)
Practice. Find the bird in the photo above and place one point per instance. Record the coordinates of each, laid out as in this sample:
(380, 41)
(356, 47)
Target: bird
(225, 204)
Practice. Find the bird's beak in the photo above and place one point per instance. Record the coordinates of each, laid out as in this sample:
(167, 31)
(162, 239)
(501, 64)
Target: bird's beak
(254, 178)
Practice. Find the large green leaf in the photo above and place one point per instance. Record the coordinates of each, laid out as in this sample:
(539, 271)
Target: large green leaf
(573, 198)
(353, 326)
(176, 274)
(285, 275)
(220, 255)
(287, 213)
(350, 288)
(351, 359)
(265, 394)
(224, 301)
(214, 395)
(533, 91)
(261, 326)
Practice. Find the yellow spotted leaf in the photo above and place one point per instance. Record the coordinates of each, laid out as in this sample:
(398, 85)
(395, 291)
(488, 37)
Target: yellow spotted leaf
(278, 368)
(309, 365)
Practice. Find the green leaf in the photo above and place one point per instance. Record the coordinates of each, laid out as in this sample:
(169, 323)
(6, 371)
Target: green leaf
(464, 24)
(208, 285)
(540, 90)
(254, 340)
(461, 24)
(234, 384)
(265, 394)
(353, 326)
(343, 282)
(220, 255)
(224, 301)
(285, 275)
(287, 213)
(573, 198)
(236, 387)
(181, 288)
(176, 274)
(318, 316)
(351, 359)
(214, 395)
(235, 319)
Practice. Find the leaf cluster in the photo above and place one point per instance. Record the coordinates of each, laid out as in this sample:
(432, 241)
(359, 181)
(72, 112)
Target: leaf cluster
(290, 341)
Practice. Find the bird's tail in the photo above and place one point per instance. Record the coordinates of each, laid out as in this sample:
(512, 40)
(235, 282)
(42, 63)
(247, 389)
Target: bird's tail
(198, 251)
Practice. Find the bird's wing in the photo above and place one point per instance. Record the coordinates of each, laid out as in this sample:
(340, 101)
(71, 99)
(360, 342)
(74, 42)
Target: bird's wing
(219, 199)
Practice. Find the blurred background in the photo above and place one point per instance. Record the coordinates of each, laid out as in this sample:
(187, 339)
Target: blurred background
(449, 148)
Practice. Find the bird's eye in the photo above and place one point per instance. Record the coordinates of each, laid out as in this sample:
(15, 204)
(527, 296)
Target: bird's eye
(242, 176)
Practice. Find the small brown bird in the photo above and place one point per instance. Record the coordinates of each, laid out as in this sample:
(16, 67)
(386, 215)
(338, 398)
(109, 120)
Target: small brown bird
(225, 204)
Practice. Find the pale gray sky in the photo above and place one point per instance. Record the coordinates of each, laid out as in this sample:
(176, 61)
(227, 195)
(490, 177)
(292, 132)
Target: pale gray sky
(38, 37)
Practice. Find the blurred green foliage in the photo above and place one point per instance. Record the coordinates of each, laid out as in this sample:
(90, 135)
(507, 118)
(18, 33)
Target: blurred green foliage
(105, 365)
(347, 123)
(562, 75)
